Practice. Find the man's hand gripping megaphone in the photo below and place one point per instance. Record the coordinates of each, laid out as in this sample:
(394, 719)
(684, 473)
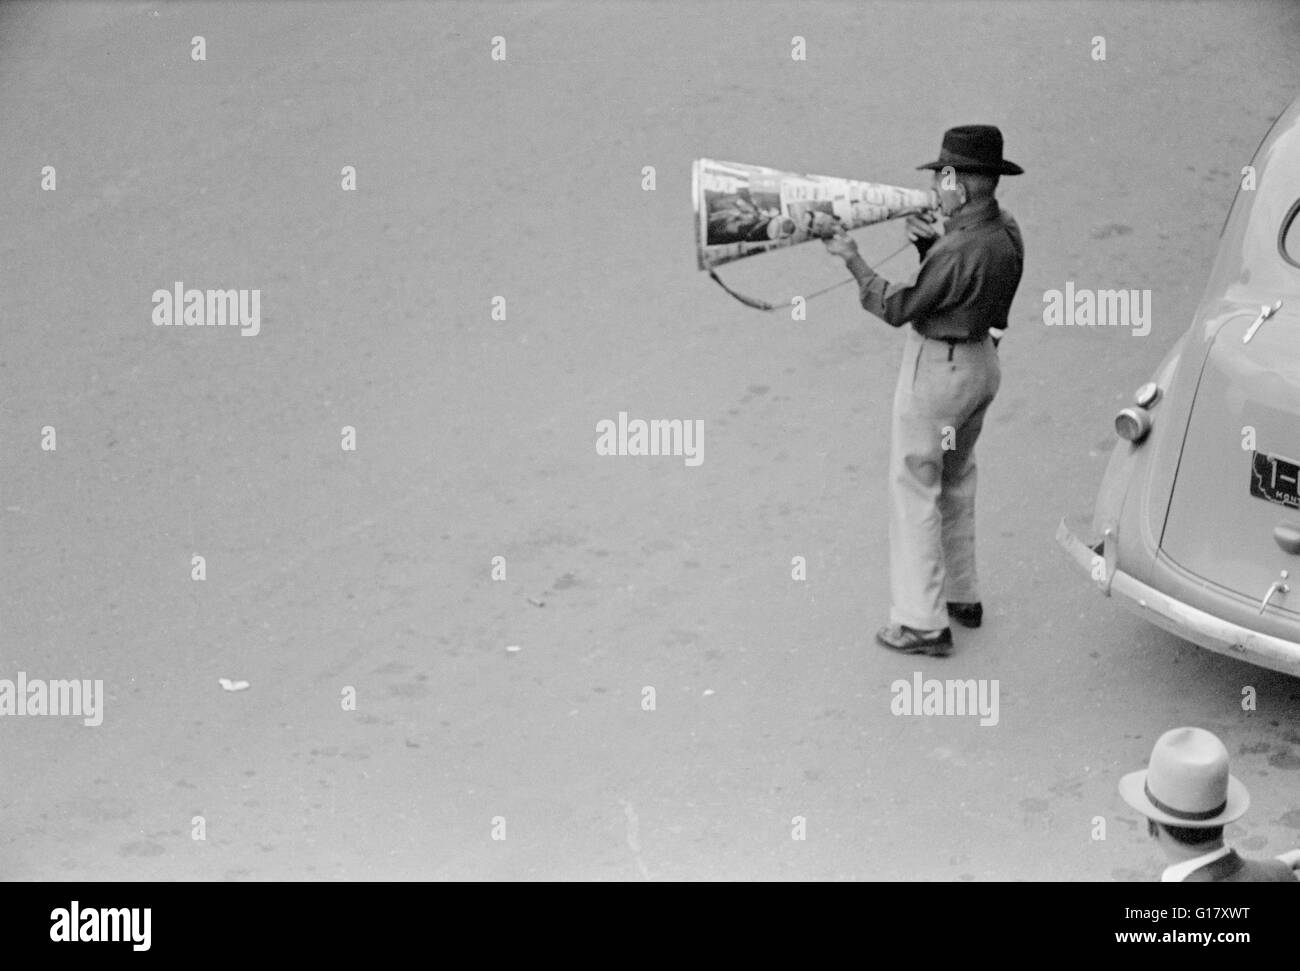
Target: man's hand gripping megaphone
(922, 230)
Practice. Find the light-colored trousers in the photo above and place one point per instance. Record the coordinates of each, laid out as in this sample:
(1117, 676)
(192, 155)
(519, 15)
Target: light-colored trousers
(939, 408)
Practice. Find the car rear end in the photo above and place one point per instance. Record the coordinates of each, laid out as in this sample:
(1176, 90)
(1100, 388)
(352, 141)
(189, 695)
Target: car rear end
(1197, 524)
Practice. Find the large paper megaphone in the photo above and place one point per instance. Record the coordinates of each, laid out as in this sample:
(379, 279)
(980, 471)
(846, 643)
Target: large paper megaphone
(742, 210)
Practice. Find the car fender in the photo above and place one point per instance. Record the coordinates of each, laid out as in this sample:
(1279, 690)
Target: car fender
(1133, 499)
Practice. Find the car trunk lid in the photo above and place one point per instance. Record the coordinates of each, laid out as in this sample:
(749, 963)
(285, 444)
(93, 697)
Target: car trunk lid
(1235, 497)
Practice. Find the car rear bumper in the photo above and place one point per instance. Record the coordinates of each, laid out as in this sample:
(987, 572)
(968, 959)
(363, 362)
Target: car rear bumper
(1177, 617)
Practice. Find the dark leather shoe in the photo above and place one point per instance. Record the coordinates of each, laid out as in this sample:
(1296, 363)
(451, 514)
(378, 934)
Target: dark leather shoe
(968, 615)
(935, 643)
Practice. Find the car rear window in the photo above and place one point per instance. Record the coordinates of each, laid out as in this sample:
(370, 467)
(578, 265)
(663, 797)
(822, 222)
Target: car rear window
(1289, 240)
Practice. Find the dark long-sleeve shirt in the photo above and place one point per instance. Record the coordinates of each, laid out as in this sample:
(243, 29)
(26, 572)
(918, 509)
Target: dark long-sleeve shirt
(965, 283)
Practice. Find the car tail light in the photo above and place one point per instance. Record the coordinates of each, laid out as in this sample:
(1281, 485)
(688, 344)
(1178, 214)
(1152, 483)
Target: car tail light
(1132, 424)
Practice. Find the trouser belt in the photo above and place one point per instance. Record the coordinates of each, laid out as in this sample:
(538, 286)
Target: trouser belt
(954, 341)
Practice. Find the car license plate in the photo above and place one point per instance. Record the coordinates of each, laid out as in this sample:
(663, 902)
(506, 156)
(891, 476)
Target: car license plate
(1275, 479)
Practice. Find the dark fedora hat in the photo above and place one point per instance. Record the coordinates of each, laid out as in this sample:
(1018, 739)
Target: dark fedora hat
(973, 148)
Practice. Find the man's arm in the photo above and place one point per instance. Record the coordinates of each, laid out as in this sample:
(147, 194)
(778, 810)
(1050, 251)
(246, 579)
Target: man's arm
(898, 303)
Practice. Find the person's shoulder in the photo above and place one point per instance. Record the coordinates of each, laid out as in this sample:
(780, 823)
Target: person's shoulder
(948, 255)
(1235, 868)
(1009, 230)
(1267, 871)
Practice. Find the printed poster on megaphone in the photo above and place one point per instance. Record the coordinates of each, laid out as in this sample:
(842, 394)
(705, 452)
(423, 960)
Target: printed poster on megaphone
(742, 210)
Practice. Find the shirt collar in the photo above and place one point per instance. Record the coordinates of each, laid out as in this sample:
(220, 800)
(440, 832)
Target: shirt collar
(974, 214)
(1181, 871)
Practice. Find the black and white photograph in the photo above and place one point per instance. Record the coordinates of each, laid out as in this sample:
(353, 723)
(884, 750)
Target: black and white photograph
(650, 442)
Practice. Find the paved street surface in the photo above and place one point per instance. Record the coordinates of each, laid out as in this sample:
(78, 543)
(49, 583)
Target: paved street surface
(371, 569)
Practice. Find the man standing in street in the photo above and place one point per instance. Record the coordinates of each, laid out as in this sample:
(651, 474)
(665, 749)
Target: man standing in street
(1187, 796)
(957, 306)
